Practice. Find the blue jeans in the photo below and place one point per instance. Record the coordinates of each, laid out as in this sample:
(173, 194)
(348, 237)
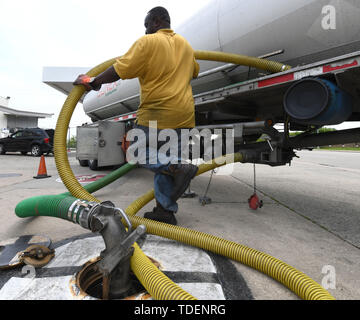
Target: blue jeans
(163, 183)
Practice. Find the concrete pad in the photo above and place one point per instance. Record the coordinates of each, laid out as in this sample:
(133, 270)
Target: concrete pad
(53, 282)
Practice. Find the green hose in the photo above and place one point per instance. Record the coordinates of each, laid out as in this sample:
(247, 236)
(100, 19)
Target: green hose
(50, 206)
(109, 178)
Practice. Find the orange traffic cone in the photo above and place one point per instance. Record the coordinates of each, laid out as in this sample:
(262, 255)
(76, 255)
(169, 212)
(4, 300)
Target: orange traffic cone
(42, 169)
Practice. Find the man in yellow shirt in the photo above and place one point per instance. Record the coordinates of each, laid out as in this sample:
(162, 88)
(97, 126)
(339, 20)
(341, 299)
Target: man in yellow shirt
(164, 63)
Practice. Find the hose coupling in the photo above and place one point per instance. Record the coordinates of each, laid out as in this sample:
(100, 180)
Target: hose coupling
(114, 265)
(110, 222)
(80, 212)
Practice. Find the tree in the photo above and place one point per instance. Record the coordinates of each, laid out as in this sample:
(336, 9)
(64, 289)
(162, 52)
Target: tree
(72, 142)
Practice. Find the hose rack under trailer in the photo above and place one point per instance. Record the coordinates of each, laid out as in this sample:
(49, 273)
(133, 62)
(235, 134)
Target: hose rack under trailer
(262, 97)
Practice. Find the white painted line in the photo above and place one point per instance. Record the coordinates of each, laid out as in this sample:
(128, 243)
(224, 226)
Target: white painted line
(173, 257)
(56, 288)
(77, 252)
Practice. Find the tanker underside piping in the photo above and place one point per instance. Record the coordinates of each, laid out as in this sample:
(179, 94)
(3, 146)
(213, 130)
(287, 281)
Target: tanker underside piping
(316, 59)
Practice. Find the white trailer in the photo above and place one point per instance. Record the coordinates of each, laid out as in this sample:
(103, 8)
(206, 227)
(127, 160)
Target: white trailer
(318, 38)
(99, 144)
(261, 98)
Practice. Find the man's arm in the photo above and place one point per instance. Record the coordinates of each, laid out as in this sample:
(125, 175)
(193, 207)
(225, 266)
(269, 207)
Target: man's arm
(130, 65)
(196, 69)
(108, 76)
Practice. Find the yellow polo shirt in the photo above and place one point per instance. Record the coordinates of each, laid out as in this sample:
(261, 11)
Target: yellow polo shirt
(164, 62)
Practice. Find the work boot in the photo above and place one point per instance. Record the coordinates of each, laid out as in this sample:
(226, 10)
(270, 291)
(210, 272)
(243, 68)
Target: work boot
(182, 174)
(162, 215)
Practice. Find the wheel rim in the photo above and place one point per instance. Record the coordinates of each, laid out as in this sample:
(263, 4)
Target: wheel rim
(35, 150)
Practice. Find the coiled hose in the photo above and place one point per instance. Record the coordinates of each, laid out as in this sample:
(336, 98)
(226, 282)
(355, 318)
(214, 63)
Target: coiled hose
(162, 287)
(296, 281)
(157, 284)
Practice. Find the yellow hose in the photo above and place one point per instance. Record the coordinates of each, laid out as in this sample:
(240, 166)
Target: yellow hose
(61, 159)
(157, 284)
(239, 59)
(150, 277)
(296, 281)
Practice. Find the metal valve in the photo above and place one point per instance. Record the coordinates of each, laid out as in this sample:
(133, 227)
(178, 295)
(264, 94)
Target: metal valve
(114, 263)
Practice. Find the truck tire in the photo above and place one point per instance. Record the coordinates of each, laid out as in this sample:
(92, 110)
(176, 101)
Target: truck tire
(2, 149)
(36, 150)
(93, 164)
(84, 163)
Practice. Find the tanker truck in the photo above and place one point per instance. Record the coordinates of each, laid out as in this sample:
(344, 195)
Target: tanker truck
(319, 39)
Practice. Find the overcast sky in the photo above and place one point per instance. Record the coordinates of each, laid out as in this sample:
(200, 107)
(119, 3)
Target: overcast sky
(39, 33)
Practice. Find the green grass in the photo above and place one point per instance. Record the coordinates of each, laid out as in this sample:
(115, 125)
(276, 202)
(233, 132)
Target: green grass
(340, 148)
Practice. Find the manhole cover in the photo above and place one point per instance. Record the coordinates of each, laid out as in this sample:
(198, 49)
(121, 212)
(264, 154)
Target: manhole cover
(10, 248)
(9, 175)
(86, 178)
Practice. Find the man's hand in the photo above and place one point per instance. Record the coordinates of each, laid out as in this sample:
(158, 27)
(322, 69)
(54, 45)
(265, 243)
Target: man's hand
(108, 76)
(86, 81)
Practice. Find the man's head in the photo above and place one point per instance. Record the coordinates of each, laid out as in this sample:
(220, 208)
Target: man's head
(157, 18)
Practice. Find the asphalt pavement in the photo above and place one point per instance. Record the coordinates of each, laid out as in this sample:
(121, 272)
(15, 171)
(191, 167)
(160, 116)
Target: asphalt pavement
(309, 219)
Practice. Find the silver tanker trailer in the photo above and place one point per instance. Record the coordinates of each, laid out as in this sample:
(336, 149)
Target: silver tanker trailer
(320, 39)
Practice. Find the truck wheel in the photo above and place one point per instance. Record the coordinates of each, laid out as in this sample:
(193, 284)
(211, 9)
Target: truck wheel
(93, 165)
(2, 149)
(36, 150)
(84, 163)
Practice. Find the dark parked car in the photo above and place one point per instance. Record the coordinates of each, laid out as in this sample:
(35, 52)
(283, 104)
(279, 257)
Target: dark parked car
(34, 140)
